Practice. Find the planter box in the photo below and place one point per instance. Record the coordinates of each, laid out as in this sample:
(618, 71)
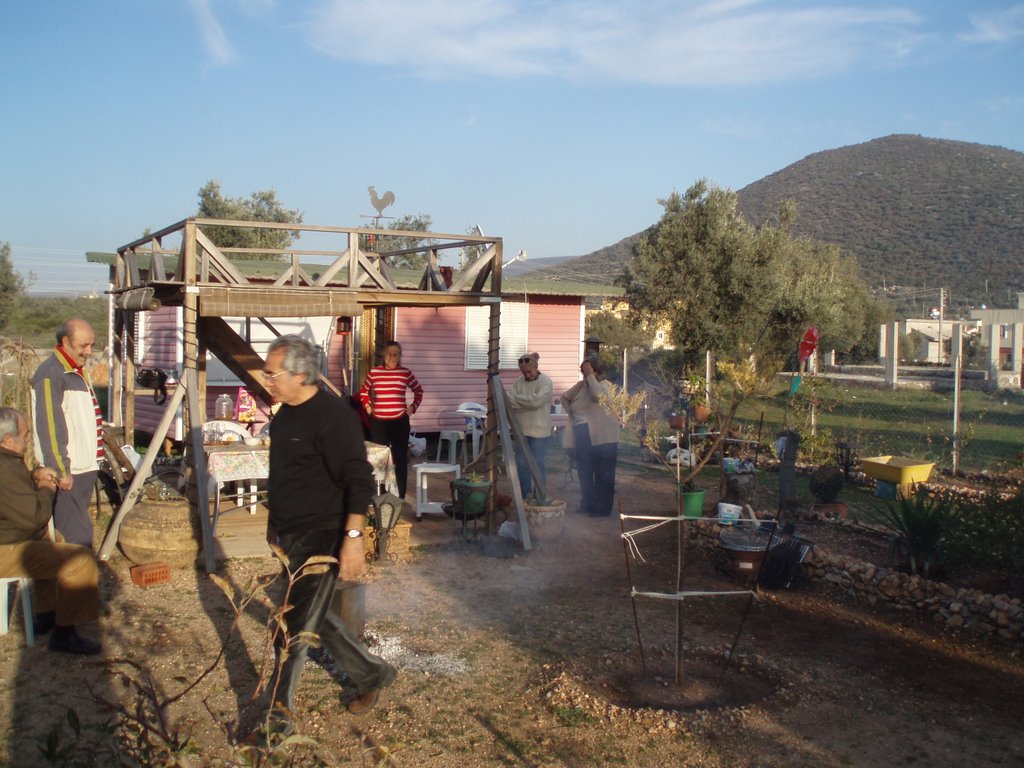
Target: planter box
(897, 470)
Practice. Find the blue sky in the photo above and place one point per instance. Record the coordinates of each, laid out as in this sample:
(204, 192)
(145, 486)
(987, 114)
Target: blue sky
(556, 125)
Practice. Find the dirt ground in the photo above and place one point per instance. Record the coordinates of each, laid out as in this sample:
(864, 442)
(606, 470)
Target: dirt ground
(535, 661)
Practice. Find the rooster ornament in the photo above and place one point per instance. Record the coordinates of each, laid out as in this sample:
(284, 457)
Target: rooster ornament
(380, 203)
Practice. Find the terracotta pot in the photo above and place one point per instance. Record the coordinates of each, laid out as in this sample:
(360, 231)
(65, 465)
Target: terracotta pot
(536, 513)
(701, 413)
(676, 421)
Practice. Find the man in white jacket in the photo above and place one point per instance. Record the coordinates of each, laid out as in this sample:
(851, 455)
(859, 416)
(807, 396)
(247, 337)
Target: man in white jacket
(530, 396)
(69, 428)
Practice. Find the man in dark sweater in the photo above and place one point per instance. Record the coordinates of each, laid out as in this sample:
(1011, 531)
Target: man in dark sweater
(319, 488)
(66, 575)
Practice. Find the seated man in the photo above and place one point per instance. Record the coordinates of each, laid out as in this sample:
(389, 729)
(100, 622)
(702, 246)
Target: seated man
(66, 576)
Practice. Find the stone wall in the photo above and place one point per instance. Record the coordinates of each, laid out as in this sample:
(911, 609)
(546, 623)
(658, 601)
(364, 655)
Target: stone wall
(955, 608)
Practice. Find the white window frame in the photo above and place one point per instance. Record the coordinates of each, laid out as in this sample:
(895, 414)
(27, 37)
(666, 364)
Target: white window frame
(515, 323)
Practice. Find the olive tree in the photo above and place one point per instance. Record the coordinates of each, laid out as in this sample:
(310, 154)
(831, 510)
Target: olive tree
(261, 205)
(12, 286)
(722, 284)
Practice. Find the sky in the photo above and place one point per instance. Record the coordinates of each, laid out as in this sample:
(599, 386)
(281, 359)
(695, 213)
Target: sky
(555, 125)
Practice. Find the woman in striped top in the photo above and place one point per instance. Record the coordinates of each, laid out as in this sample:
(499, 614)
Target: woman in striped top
(384, 396)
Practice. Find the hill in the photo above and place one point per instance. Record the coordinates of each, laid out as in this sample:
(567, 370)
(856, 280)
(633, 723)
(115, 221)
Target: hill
(916, 213)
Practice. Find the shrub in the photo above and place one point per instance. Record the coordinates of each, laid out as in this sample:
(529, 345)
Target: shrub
(988, 531)
(920, 522)
(826, 483)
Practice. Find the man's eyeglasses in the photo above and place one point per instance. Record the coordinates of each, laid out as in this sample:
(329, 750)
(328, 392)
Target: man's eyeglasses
(267, 376)
(525, 360)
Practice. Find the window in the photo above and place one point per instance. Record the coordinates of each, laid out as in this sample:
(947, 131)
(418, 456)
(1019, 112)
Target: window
(514, 324)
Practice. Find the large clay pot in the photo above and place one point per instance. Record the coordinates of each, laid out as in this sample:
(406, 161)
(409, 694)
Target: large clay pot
(538, 513)
(160, 530)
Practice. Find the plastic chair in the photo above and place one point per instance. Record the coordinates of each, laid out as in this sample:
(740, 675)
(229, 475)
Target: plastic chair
(24, 584)
(475, 425)
(452, 438)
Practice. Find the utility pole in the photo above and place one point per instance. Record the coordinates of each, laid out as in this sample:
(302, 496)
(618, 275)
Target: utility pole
(942, 309)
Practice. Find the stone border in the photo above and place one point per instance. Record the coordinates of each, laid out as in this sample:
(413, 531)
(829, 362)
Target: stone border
(955, 608)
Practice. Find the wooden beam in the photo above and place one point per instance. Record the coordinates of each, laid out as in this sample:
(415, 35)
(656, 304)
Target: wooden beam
(236, 353)
(497, 394)
(228, 272)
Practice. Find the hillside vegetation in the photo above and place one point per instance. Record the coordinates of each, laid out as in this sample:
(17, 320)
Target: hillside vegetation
(915, 212)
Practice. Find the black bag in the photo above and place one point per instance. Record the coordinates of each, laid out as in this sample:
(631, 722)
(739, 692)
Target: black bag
(155, 379)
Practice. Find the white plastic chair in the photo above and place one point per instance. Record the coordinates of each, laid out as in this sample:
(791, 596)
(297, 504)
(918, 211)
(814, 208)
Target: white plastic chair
(475, 425)
(24, 585)
(214, 431)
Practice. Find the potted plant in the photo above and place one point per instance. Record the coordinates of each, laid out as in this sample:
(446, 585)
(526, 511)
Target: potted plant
(695, 391)
(826, 482)
(692, 499)
(469, 496)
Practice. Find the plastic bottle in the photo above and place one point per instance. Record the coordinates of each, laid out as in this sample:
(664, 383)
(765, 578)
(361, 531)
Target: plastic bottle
(224, 408)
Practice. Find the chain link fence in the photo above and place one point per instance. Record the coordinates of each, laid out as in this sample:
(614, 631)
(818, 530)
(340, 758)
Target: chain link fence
(847, 413)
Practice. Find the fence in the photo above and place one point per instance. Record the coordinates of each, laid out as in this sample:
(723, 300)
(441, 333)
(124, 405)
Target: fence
(922, 418)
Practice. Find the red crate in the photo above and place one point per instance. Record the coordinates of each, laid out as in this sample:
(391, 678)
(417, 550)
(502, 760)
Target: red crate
(150, 574)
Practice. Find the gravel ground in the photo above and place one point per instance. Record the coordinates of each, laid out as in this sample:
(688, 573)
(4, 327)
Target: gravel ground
(536, 661)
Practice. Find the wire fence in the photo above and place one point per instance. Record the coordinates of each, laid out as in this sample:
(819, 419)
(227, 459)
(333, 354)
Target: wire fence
(850, 413)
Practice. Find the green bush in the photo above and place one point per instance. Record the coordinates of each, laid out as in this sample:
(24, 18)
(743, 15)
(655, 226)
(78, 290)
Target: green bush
(987, 531)
(920, 523)
(826, 483)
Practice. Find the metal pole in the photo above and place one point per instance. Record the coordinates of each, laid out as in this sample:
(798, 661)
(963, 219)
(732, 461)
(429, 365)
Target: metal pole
(629, 578)
(680, 561)
(957, 369)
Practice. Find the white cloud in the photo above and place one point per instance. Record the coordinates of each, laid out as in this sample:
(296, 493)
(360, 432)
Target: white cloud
(214, 39)
(660, 42)
(999, 26)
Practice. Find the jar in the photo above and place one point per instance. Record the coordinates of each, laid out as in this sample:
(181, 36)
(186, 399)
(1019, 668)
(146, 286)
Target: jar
(224, 408)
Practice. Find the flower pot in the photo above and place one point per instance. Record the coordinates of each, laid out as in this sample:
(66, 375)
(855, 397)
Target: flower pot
(469, 498)
(693, 503)
(676, 421)
(701, 413)
(537, 513)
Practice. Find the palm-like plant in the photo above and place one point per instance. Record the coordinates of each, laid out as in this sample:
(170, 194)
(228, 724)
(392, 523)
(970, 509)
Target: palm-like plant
(920, 521)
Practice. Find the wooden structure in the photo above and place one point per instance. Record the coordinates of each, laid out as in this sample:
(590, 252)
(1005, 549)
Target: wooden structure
(182, 266)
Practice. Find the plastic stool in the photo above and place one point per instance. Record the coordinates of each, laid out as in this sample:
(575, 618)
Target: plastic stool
(424, 506)
(453, 439)
(25, 585)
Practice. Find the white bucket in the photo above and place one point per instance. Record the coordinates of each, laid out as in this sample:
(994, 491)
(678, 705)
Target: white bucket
(728, 514)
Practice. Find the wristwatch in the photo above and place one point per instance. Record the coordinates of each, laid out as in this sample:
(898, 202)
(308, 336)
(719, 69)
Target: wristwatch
(353, 533)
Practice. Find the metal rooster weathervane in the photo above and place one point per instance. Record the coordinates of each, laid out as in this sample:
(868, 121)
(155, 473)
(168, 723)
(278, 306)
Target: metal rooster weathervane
(380, 203)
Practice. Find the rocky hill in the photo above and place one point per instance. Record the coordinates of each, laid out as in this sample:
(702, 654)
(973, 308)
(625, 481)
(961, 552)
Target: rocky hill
(917, 213)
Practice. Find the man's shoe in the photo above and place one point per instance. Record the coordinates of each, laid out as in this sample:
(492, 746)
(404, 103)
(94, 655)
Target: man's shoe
(365, 702)
(72, 642)
(43, 623)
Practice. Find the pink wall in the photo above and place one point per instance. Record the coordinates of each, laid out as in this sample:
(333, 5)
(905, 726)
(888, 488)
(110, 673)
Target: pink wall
(434, 348)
